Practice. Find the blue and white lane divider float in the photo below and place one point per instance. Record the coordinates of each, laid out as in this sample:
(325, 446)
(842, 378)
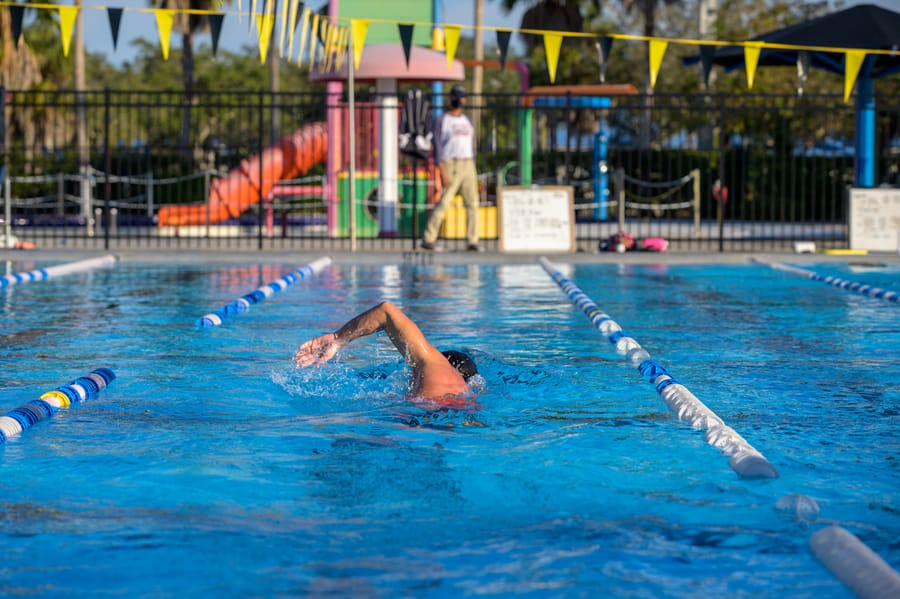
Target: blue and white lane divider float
(260, 294)
(81, 389)
(855, 564)
(42, 274)
(743, 457)
(876, 292)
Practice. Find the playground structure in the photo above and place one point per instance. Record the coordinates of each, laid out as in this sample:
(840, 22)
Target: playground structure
(385, 65)
(385, 204)
(598, 97)
(253, 179)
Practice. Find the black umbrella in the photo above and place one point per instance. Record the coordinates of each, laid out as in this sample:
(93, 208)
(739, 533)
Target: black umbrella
(862, 27)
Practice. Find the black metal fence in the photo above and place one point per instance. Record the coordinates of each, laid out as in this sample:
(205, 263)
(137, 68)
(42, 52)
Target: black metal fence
(119, 169)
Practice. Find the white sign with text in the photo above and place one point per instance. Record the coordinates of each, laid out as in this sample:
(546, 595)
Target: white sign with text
(875, 219)
(536, 219)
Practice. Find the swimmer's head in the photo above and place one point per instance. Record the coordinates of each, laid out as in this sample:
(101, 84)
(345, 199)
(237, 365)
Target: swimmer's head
(462, 361)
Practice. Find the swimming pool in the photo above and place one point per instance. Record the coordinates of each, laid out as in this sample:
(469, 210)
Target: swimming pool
(213, 466)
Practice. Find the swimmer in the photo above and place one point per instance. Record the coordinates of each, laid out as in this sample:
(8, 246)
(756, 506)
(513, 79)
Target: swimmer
(441, 377)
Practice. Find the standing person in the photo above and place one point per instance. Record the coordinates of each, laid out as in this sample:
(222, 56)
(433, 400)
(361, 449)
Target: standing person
(455, 155)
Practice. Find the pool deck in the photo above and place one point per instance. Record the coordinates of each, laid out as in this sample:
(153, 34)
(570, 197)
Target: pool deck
(230, 256)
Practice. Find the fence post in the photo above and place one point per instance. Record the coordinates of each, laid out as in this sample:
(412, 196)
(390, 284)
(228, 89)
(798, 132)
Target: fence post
(7, 206)
(720, 208)
(619, 180)
(150, 194)
(695, 174)
(107, 166)
(206, 184)
(60, 194)
(262, 145)
(87, 209)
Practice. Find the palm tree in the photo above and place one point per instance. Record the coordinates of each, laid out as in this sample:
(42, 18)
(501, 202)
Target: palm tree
(20, 69)
(84, 154)
(188, 23)
(647, 9)
(555, 15)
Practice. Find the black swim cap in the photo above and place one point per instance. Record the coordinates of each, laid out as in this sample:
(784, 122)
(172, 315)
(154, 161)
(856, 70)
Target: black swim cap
(462, 362)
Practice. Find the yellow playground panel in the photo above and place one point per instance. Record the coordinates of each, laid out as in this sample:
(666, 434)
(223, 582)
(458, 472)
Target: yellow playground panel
(454, 226)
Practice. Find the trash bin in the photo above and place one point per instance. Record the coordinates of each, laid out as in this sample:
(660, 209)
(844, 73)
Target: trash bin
(414, 192)
(366, 212)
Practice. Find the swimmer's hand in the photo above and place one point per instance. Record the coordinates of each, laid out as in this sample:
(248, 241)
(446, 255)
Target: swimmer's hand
(317, 351)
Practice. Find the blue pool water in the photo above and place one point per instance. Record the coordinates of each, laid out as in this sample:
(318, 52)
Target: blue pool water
(214, 467)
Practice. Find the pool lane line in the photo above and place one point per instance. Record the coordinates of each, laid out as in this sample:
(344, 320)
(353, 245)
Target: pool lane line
(862, 570)
(42, 274)
(79, 390)
(744, 459)
(260, 294)
(876, 292)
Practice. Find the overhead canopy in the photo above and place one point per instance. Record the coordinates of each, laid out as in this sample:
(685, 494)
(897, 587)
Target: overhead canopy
(387, 61)
(864, 27)
(858, 28)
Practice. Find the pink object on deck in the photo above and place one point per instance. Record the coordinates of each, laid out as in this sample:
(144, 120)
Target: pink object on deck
(655, 244)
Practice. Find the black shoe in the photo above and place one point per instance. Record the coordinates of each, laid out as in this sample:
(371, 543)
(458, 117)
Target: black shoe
(430, 247)
(474, 247)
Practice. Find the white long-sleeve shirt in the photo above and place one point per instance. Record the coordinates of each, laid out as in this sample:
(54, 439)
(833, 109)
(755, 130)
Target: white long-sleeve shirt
(456, 138)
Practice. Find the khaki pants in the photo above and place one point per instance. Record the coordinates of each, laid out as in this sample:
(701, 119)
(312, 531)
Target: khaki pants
(464, 181)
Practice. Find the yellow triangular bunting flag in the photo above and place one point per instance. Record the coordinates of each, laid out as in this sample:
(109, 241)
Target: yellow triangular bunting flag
(751, 58)
(67, 16)
(313, 40)
(265, 23)
(292, 18)
(328, 55)
(303, 29)
(852, 65)
(656, 51)
(451, 42)
(164, 20)
(358, 30)
(342, 47)
(552, 44)
(284, 26)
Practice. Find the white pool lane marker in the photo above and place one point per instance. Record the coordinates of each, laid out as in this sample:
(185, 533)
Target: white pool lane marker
(81, 389)
(42, 274)
(260, 294)
(875, 292)
(744, 459)
(857, 566)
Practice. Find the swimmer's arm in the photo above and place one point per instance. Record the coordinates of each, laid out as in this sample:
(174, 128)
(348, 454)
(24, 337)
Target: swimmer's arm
(402, 331)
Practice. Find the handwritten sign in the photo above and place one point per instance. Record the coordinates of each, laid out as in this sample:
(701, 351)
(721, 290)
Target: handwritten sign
(875, 219)
(536, 219)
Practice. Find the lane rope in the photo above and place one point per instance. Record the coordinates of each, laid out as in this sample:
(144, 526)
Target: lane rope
(42, 274)
(81, 389)
(260, 294)
(744, 459)
(876, 292)
(855, 564)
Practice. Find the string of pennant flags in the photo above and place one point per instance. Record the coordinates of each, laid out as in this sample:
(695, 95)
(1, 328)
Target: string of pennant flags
(325, 43)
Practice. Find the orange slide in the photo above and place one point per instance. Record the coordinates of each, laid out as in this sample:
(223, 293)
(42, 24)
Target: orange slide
(231, 195)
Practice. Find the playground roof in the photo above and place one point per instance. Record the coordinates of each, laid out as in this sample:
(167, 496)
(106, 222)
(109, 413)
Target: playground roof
(387, 61)
(536, 94)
